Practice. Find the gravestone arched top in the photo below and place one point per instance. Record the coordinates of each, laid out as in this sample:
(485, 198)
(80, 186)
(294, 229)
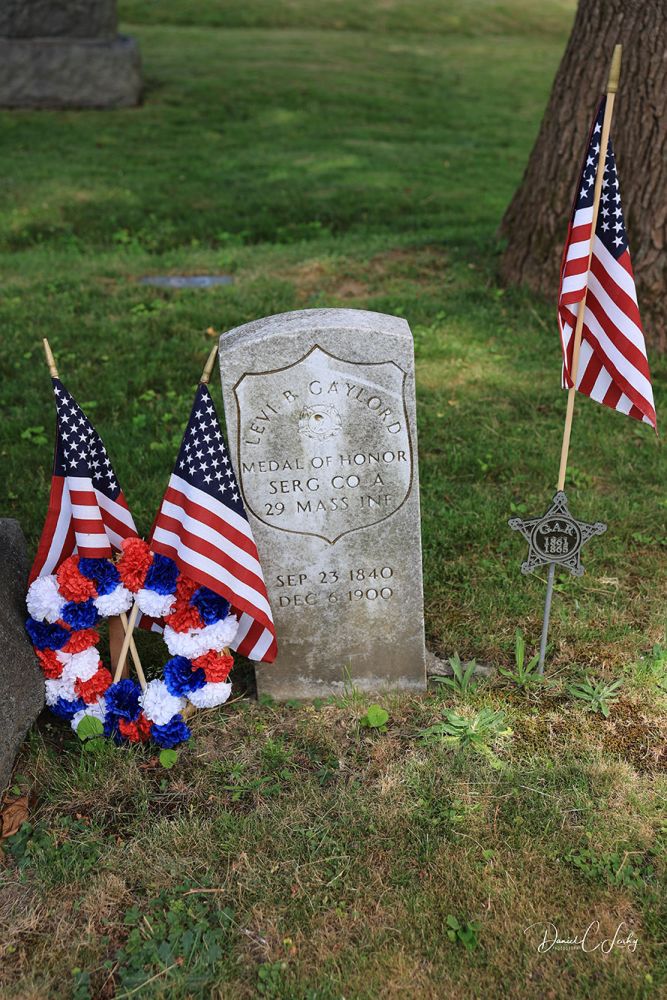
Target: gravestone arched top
(302, 322)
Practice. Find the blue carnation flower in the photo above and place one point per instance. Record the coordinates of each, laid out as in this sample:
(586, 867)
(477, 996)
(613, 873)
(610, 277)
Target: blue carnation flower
(67, 709)
(180, 678)
(211, 606)
(162, 575)
(45, 636)
(122, 699)
(110, 725)
(103, 572)
(171, 733)
(80, 614)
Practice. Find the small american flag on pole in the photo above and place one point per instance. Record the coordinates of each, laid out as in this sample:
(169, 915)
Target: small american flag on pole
(87, 514)
(613, 367)
(202, 525)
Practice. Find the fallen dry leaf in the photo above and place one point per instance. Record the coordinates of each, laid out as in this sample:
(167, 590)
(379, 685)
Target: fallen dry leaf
(150, 764)
(14, 813)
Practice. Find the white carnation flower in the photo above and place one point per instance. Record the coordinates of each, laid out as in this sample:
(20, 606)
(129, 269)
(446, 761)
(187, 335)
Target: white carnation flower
(115, 603)
(155, 605)
(211, 695)
(80, 666)
(158, 704)
(43, 600)
(198, 641)
(60, 687)
(97, 710)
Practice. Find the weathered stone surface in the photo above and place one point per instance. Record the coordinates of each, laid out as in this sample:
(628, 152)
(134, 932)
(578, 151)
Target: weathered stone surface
(69, 73)
(321, 423)
(57, 18)
(22, 683)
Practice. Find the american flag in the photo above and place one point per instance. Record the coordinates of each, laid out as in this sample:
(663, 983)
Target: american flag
(613, 367)
(202, 525)
(87, 514)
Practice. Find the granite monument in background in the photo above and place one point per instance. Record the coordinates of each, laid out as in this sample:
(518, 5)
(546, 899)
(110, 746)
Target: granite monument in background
(66, 54)
(320, 410)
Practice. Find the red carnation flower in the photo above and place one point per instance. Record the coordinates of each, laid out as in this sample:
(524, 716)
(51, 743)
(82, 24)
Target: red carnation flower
(91, 689)
(216, 666)
(134, 563)
(185, 588)
(78, 641)
(184, 617)
(74, 586)
(137, 731)
(144, 726)
(51, 665)
(129, 730)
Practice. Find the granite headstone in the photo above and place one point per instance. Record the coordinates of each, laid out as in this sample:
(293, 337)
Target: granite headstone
(22, 682)
(320, 411)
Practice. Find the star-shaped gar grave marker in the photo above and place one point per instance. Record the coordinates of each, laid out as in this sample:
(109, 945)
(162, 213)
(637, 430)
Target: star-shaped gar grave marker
(556, 537)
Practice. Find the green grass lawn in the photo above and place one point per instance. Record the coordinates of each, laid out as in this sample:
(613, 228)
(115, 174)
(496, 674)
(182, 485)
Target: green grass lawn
(340, 154)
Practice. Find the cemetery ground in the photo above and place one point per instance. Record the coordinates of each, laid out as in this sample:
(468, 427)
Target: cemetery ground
(355, 155)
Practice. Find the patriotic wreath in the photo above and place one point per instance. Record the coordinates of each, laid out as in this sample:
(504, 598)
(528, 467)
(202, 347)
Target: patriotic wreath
(66, 606)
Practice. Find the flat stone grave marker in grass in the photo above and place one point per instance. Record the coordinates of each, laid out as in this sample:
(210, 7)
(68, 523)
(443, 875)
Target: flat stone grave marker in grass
(186, 280)
(320, 410)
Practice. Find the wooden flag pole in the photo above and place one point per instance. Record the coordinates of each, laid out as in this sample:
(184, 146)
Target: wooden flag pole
(116, 636)
(50, 360)
(122, 656)
(190, 709)
(133, 650)
(116, 621)
(208, 367)
(612, 87)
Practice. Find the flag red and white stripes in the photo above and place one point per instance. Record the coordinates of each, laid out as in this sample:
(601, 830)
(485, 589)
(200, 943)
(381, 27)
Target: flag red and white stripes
(613, 367)
(88, 514)
(202, 525)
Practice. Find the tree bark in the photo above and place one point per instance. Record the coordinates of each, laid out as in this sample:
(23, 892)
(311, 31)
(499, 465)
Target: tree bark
(535, 223)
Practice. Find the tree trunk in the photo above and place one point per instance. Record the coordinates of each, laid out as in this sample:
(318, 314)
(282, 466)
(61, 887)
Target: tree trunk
(535, 223)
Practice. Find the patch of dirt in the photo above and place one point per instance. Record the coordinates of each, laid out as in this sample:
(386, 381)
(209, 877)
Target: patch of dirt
(360, 279)
(640, 741)
(539, 734)
(351, 289)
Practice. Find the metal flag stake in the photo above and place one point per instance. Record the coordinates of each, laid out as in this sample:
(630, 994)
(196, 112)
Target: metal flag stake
(554, 539)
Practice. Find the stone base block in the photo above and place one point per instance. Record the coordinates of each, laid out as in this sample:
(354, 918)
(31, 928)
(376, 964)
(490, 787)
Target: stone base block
(69, 73)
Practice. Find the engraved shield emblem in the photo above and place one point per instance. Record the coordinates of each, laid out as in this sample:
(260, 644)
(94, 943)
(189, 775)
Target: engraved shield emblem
(324, 445)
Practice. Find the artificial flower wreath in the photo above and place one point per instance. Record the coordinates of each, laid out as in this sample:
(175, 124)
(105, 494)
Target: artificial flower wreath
(198, 627)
